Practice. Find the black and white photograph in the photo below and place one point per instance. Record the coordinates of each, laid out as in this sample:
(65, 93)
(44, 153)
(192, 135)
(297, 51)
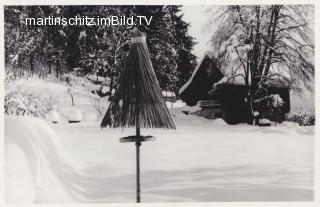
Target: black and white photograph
(159, 103)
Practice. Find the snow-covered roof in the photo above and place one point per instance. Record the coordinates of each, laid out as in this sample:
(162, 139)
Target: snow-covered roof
(281, 83)
(206, 54)
(238, 79)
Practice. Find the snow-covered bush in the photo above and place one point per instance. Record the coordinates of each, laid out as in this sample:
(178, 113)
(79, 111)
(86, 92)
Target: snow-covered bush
(305, 116)
(192, 109)
(53, 116)
(9, 77)
(100, 104)
(22, 101)
(98, 80)
(19, 101)
(74, 116)
(74, 83)
(277, 101)
(265, 122)
(69, 79)
(77, 81)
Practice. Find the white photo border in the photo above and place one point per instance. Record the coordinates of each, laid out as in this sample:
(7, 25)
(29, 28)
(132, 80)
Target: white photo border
(316, 3)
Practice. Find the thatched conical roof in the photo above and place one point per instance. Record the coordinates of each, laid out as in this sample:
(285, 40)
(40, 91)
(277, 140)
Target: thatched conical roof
(138, 101)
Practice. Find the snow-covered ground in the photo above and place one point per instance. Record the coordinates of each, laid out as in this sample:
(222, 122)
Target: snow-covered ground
(203, 160)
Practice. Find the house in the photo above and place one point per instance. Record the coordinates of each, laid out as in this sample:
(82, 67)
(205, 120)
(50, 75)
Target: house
(223, 97)
(202, 79)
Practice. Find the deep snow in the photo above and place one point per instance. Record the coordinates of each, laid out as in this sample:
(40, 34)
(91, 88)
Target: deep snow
(203, 160)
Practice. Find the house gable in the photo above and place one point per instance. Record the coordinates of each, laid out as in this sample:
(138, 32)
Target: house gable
(203, 78)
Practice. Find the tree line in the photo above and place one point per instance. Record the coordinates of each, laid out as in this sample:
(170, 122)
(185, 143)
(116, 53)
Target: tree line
(101, 50)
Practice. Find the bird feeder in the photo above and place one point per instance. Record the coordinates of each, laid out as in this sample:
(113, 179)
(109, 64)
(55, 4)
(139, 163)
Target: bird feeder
(138, 100)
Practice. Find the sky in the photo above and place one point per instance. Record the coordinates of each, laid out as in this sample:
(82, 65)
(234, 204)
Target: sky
(198, 17)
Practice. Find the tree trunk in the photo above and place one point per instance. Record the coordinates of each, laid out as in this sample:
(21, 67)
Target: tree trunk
(57, 69)
(40, 73)
(31, 58)
(111, 82)
(112, 71)
(266, 47)
(273, 37)
(49, 66)
(72, 100)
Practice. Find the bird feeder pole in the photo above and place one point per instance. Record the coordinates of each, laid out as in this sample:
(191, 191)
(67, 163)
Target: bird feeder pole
(137, 140)
(138, 101)
(138, 144)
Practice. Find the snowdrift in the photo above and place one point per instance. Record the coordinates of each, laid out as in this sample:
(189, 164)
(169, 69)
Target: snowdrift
(37, 169)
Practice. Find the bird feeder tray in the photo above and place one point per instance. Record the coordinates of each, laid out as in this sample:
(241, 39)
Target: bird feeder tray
(137, 138)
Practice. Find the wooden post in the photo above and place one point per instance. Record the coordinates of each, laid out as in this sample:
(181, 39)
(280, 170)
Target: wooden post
(138, 144)
(137, 139)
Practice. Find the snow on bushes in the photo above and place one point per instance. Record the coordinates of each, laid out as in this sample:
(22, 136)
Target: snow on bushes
(71, 81)
(74, 116)
(19, 101)
(76, 84)
(276, 101)
(265, 122)
(98, 79)
(305, 116)
(53, 116)
(100, 104)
